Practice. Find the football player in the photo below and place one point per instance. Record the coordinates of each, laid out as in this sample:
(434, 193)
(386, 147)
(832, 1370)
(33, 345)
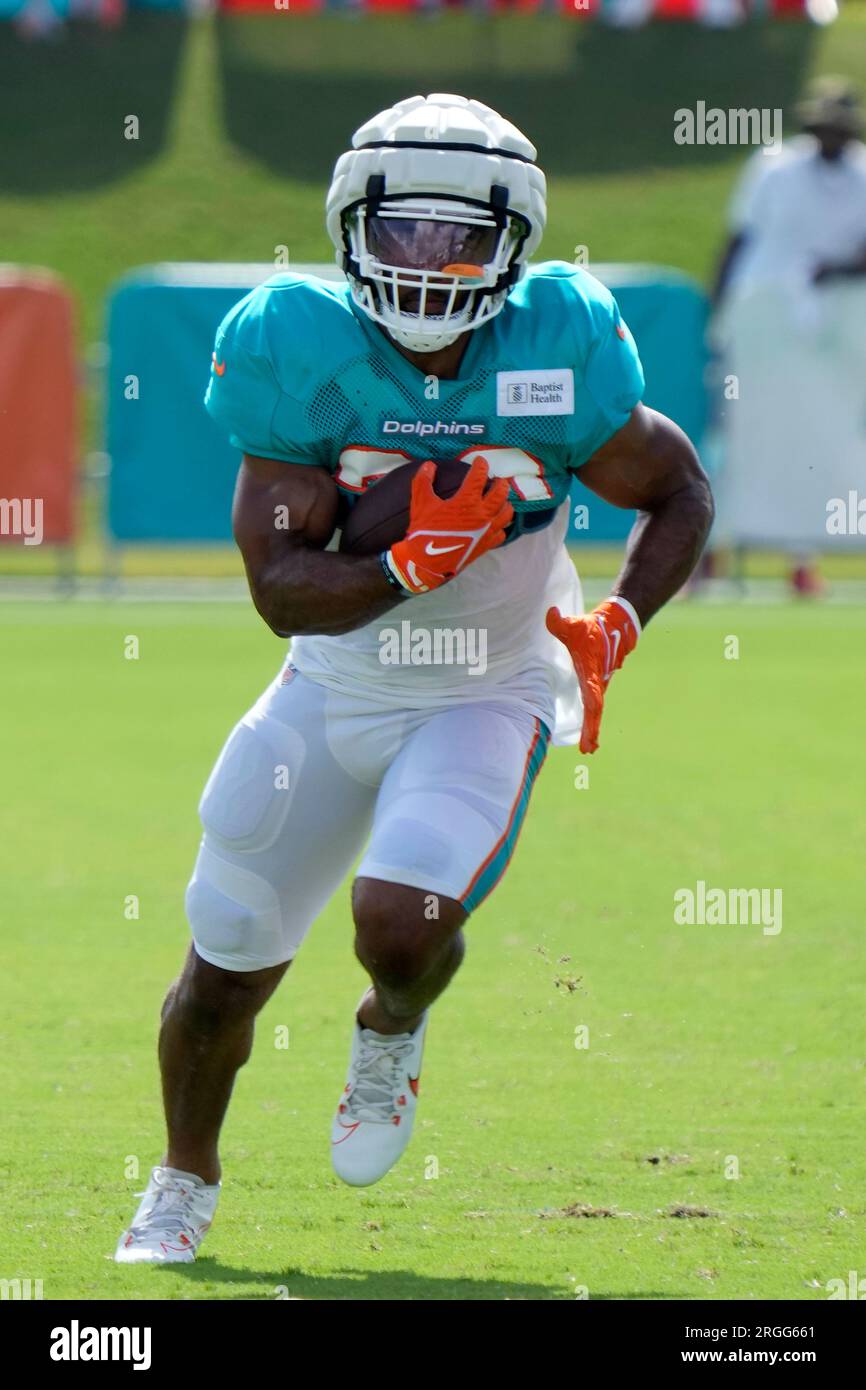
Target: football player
(442, 342)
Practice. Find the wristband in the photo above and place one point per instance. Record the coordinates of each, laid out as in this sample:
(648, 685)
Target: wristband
(391, 576)
(624, 603)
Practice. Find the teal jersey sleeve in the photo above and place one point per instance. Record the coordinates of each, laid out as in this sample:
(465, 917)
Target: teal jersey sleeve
(580, 315)
(613, 380)
(245, 395)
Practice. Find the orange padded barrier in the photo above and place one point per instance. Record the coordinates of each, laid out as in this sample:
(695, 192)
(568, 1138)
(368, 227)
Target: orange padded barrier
(37, 408)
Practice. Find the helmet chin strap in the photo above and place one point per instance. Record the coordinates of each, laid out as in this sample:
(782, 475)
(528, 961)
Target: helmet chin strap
(424, 342)
(418, 333)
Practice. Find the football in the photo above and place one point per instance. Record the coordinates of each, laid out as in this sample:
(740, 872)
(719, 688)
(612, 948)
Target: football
(380, 516)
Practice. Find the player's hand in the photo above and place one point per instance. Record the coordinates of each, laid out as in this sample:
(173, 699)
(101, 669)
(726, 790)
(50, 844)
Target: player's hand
(447, 534)
(598, 643)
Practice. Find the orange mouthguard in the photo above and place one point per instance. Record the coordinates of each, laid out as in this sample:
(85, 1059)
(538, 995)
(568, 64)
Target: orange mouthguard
(458, 268)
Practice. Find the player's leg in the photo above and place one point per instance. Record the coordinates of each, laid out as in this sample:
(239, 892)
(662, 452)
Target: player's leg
(447, 819)
(283, 821)
(206, 1036)
(410, 943)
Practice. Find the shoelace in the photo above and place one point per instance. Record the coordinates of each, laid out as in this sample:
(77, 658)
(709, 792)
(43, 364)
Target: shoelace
(372, 1095)
(170, 1205)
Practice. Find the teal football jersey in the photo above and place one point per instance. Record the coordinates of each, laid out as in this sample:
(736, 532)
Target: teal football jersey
(300, 373)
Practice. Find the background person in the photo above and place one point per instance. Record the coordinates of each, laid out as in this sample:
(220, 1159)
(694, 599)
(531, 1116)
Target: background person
(798, 231)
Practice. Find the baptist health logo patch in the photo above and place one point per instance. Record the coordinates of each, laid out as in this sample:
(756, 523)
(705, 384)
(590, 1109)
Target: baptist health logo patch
(546, 392)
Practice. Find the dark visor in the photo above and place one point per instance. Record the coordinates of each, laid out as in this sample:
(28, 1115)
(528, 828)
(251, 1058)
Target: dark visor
(421, 244)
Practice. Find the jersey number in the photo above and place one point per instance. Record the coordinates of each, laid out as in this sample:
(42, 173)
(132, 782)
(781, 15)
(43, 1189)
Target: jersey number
(361, 465)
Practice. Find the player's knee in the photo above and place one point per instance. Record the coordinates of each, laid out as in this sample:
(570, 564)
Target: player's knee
(402, 933)
(235, 915)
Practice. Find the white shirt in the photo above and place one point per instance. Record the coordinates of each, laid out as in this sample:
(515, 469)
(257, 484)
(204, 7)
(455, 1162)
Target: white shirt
(798, 211)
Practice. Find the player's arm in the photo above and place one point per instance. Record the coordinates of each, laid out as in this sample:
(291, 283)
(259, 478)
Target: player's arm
(651, 465)
(840, 270)
(648, 464)
(283, 516)
(728, 259)
(747, 212)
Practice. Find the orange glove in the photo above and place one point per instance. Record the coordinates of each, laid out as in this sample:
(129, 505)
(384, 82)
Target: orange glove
(446, 534)
(598, 643)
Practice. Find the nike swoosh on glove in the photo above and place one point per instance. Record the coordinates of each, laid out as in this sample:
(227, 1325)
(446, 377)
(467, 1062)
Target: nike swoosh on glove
(448, 533)
(598, 643)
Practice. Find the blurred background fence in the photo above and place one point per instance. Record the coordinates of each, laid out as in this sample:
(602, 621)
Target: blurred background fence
(162, 138)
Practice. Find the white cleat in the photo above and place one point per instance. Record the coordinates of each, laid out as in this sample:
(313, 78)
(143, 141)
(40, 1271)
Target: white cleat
(171, 1221)
(374, 1120)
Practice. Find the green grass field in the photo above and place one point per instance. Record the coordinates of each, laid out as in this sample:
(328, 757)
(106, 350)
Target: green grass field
(706, 1043)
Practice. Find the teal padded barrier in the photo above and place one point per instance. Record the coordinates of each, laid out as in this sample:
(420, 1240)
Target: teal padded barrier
(173, 472)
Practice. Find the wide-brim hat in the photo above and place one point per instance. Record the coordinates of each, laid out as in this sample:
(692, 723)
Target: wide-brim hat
(832, 102)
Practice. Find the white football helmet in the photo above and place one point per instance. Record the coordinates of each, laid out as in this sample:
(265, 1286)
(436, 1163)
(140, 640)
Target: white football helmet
(434, 212)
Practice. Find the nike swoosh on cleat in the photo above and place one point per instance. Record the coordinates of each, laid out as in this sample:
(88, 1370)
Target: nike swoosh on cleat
(350, 1130)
